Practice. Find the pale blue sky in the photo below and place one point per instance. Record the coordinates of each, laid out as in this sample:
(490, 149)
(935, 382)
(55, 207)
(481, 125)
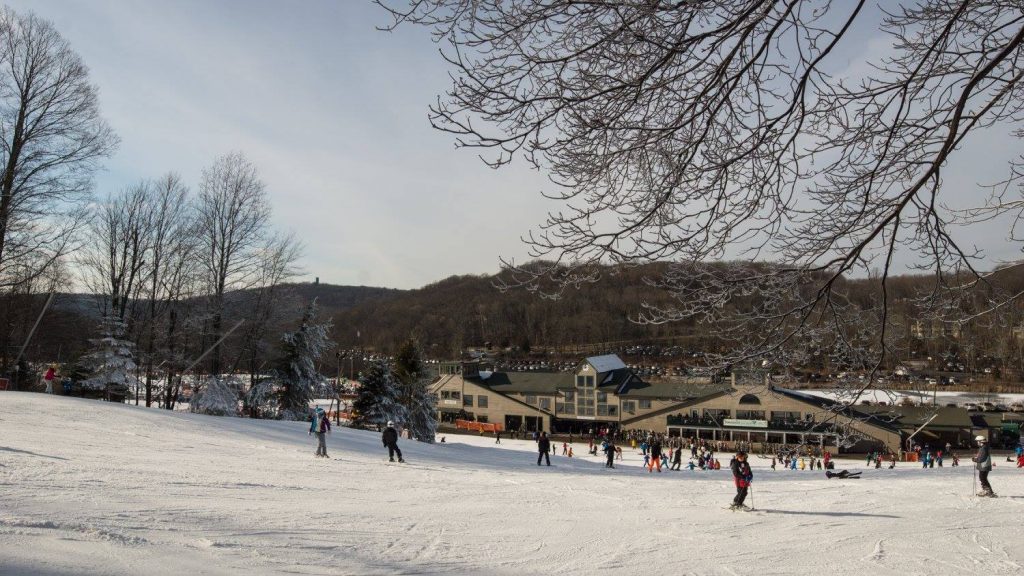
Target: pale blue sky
(331, 110)
(334, 114)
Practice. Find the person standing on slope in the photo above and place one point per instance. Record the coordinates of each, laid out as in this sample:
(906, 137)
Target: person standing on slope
(983, 462)
(390, 439)
(655, 450)
(609, 452)
(543, 447)
(48, 378)
(320, 424)
(742, 476)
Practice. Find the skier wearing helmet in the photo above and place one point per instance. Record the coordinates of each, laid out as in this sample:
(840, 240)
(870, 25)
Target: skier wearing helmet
(390, 439)
(983, 462)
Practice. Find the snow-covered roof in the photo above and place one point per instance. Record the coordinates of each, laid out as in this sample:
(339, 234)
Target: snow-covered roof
(485, 374)
(606, 363)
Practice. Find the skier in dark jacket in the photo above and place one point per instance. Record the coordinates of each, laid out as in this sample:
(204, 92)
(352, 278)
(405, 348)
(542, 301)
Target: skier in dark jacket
(655, 457)
(543, 447)
(390, 439)
(983, 462)
(677, 459)
(609, 452)
(742, 476)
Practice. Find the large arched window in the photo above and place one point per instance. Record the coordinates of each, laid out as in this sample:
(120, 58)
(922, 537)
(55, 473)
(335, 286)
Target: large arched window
(749, 399)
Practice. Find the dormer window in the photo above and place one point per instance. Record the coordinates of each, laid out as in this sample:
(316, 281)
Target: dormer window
(749, 399)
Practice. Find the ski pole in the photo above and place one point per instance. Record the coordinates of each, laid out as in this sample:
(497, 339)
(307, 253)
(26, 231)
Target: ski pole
(751, 496)
(974, 485)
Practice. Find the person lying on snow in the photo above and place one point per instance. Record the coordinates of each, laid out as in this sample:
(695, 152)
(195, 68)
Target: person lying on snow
(843, 474)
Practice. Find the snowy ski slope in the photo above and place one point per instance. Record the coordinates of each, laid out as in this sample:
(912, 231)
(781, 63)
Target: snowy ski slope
(95, 488)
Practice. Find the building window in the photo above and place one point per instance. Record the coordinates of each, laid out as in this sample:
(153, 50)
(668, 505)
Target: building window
(445, 394)
(468, 401)
(613, 410)
(749, 399)
(602, 397)
(629, 406)
(545, 404)
(565, 408)
(750, 414)
(645, 404)
(481, 418)
(606, 410)
(570, 396)
(590, 382)
(481, 401)
(716, 413)
(456, 395)
(531, 399)
(785, 416)
(580, 381)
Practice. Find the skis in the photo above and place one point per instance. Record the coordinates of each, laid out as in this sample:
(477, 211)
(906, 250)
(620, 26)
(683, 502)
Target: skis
(986, 495)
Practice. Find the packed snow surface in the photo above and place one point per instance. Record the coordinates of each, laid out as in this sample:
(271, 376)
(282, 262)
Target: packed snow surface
(94, 488)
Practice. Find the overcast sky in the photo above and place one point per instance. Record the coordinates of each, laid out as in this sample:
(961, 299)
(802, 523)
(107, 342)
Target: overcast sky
(334, 114)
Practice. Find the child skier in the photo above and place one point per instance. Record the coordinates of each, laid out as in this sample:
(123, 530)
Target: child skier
(742, 476)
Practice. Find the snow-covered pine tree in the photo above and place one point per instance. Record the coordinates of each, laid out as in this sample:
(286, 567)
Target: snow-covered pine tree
(111, 361)
(379, 397)
(420, 403)
(218, 396)
(296, 377)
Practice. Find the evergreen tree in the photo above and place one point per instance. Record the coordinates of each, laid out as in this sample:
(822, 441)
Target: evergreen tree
(296, 371)
(111, 361)
(379, 396)
(217, 397)
(416, 396)
(294, 381)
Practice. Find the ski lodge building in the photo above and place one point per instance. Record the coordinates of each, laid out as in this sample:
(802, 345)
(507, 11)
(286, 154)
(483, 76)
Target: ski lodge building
(604, 393)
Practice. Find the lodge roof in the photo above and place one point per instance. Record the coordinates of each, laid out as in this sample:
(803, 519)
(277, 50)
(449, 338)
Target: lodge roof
(526, 382)
(678, 389)
(915, 416)
(853, 412)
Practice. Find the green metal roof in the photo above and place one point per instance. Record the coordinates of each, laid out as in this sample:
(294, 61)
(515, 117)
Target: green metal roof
(673, 388)
(526, 382)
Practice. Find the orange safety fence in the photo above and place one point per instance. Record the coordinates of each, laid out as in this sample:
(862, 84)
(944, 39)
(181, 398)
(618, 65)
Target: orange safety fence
(479, 426)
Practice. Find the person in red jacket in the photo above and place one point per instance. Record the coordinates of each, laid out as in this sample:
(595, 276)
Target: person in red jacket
(742, 476)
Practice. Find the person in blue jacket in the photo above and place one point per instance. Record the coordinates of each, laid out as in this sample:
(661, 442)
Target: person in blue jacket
(320, 424)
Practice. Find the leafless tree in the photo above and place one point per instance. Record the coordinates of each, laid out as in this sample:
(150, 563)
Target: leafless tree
(233, 215)
(277, 265)
(692, 130)
(51, 141)
(171, 264)
(118, 243)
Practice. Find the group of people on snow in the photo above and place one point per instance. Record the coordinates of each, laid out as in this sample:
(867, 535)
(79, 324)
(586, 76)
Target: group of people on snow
(655, 456)
(320, 425)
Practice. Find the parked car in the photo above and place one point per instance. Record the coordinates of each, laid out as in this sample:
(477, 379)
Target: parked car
(972, 407)
(1016, 407)
(988, 407)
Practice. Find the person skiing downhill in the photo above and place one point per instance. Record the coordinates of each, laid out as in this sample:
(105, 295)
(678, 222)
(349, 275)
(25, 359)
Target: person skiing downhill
(390, 439)
(742, 476)
(983, 462)
(320, 424)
